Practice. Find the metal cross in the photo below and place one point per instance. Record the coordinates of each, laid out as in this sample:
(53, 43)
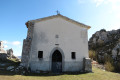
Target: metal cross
(58, 12)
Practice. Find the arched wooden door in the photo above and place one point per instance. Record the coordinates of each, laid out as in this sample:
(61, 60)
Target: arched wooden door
(56, 62)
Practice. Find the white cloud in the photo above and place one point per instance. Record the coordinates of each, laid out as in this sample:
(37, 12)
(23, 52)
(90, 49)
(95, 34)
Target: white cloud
(114, 3)
(115, 6)
(5, 46)
(16, 43)
(5, 42)
(114, 26)
(117, 26)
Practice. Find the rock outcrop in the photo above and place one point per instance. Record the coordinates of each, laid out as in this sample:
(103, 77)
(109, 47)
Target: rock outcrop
(106, 43)
(5, 54)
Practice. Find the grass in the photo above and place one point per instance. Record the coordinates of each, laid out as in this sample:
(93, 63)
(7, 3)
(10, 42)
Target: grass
(97, 74)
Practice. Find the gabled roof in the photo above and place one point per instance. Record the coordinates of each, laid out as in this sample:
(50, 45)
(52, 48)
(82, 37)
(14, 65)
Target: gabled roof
(64, 17)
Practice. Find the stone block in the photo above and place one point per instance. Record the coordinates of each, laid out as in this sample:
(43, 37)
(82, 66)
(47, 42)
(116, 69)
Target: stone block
(87, 65)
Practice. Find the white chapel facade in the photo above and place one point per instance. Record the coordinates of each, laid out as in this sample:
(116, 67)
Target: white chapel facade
(56, 43)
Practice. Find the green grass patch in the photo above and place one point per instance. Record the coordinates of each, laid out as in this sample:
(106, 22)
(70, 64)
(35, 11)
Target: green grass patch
(97, 74)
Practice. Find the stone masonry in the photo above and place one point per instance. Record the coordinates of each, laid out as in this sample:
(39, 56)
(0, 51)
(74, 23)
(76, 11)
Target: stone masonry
(87, 65)
(27, 45)
(3, 53)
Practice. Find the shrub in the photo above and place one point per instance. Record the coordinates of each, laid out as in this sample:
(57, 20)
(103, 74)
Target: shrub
(102, 30)
(92, 54)
(108, 58)
(109, 66)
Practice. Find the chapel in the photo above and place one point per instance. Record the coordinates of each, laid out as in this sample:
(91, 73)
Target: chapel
(56, 44)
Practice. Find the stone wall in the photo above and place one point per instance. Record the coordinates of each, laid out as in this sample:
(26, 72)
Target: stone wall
(27, 45)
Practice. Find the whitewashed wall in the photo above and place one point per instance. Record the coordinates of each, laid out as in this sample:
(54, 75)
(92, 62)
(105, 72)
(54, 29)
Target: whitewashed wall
(72, 38)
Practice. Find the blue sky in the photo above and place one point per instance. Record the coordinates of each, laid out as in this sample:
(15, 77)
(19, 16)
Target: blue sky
(99, 14)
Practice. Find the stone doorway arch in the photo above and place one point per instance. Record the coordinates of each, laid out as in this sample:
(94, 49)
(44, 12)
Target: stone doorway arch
(56, 62)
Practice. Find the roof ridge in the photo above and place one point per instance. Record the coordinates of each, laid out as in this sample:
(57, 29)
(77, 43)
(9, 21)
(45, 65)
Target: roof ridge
(59, 15)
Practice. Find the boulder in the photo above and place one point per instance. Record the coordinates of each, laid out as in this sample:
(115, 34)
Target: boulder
(87, 65)
(10, 67)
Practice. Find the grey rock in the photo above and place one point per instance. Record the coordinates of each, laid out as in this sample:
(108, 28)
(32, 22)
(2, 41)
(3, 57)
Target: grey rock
(87, 65)
(5, 54)
(10, 67)
(106, 44)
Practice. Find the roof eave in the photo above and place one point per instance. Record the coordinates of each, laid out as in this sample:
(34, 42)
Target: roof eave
(58, 15)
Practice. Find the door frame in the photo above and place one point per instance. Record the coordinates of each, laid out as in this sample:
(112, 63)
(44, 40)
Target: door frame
(56, 59)
(63, 57)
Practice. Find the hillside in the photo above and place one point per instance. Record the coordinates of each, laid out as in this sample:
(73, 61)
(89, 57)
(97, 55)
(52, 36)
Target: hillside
(106, 47)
